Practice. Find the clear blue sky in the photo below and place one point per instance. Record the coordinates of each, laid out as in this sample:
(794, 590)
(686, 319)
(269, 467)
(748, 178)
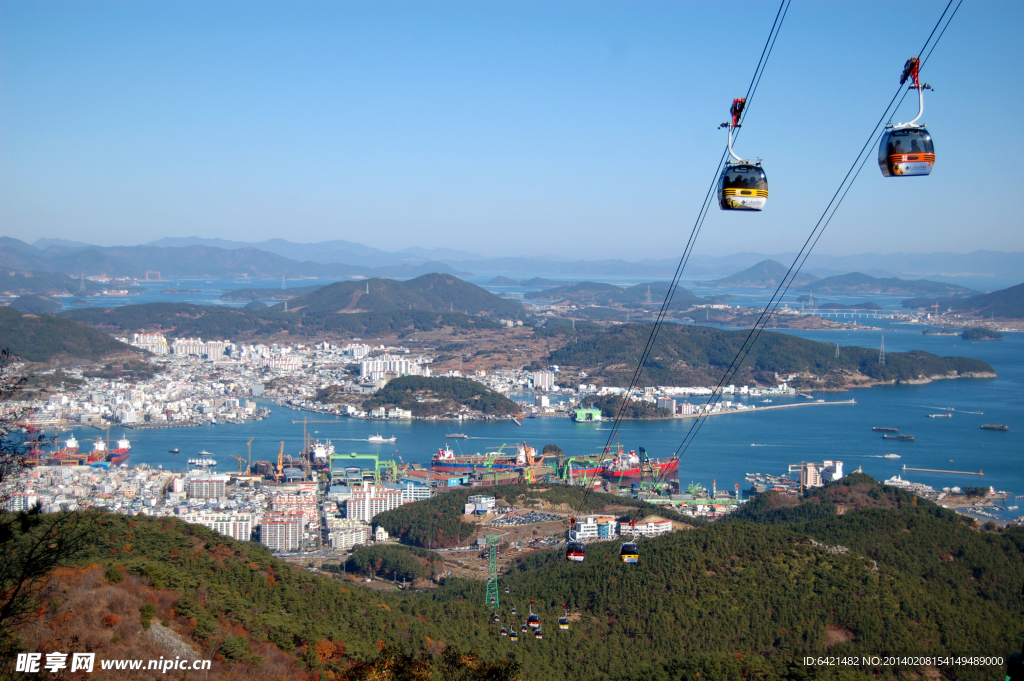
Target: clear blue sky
(572, 128)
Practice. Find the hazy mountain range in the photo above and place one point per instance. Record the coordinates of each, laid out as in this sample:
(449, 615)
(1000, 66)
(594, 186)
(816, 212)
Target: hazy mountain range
(195, 257)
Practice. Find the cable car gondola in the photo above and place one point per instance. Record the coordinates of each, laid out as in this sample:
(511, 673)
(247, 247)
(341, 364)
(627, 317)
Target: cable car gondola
(504, 631)
(628, 552)
(563, 622)
(533, 621)
(906, 149)
(524, 628)
(513, 635)
(514, 610)
(574, 549)
(538, 634)
(743, 184)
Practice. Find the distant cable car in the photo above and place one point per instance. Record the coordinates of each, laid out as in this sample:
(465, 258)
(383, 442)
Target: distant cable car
(504, 631)
(563, 622)
(574, 549)
(906, 149)
(513, 635)
(629, 553)
(533, 621)
(514, 610)
(506, 588)
(743, 184)
(524, 628)
(495, 618)
(538, 634)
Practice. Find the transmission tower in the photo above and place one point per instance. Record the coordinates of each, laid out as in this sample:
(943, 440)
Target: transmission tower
(881, 352)
(837, 350)
(491, 597)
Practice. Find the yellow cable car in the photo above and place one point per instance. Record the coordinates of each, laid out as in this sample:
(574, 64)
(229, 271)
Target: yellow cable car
(743, 184)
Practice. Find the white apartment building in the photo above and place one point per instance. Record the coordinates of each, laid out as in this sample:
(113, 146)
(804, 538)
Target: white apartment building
(281, 530)
(369, 500)
(302, 502)
(377, 367)
(188, 346)
(543, 380)
(413, 493)
(153, 342)
(344, 537)
(208, 486)
(652, 526)
(230, 524)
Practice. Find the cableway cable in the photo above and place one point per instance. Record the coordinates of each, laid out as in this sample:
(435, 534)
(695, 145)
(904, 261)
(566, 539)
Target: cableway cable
(766, 51)
(801, 258)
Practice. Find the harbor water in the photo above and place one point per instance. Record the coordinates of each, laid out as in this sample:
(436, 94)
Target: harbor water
(727, 446)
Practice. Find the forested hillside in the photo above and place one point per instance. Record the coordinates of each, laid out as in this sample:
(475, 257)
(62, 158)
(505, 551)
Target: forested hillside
(437, 522)
(430, 292)
(42, 338)
(1007, 302)
(440, 395)
(853, 569)
(594, 293)
(216, 321)
(697, 355)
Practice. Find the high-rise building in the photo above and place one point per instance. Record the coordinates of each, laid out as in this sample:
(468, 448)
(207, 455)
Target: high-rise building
(281, 530)
(543, 380)
(369, 500)
(303, 502)
(230, 524)
(211, 486)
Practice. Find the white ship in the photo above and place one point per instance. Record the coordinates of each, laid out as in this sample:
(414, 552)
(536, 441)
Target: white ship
(891, 456)
(380, 438)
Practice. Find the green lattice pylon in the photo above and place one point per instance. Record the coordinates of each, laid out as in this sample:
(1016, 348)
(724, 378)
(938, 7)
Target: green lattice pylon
(491, 597)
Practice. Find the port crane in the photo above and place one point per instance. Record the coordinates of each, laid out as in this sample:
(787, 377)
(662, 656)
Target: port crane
(241, 462)
(280, 464)
(305, 433)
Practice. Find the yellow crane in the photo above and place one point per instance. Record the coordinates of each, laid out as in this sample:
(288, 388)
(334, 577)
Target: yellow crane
(249, 463)
(240, 461)
(280, 463)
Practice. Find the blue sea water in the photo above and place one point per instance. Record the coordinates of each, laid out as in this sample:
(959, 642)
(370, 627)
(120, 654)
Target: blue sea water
(727, 447)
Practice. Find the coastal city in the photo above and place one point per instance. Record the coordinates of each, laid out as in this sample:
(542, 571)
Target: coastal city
(322, 503)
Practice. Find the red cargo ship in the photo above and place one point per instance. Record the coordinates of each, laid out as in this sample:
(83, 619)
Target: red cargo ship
(122, 452)
(633, 467)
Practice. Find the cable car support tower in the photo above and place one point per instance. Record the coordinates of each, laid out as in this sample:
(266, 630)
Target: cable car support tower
(491, 596)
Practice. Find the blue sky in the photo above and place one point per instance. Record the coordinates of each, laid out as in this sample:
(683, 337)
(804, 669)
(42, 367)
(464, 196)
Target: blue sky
(506, 128)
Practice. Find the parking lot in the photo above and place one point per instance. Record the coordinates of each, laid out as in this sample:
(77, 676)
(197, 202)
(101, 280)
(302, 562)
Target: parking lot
(528, 518)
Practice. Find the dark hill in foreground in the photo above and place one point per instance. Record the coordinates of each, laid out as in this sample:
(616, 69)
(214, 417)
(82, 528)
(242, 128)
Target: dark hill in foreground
(853, 569)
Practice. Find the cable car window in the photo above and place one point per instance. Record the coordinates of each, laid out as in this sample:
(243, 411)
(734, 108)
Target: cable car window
(745, 177)
(913, 141)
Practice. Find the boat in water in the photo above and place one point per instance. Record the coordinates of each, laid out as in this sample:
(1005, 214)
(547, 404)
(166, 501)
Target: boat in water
(320, 454)
(174, 450)
(204, 460)
(891, 456)
(633, 466)
(448, 461)
(880, 429)
(380, 438)
(994, 426)
(457, 436)
(940, 416)
(898, 438)
(121, 452)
